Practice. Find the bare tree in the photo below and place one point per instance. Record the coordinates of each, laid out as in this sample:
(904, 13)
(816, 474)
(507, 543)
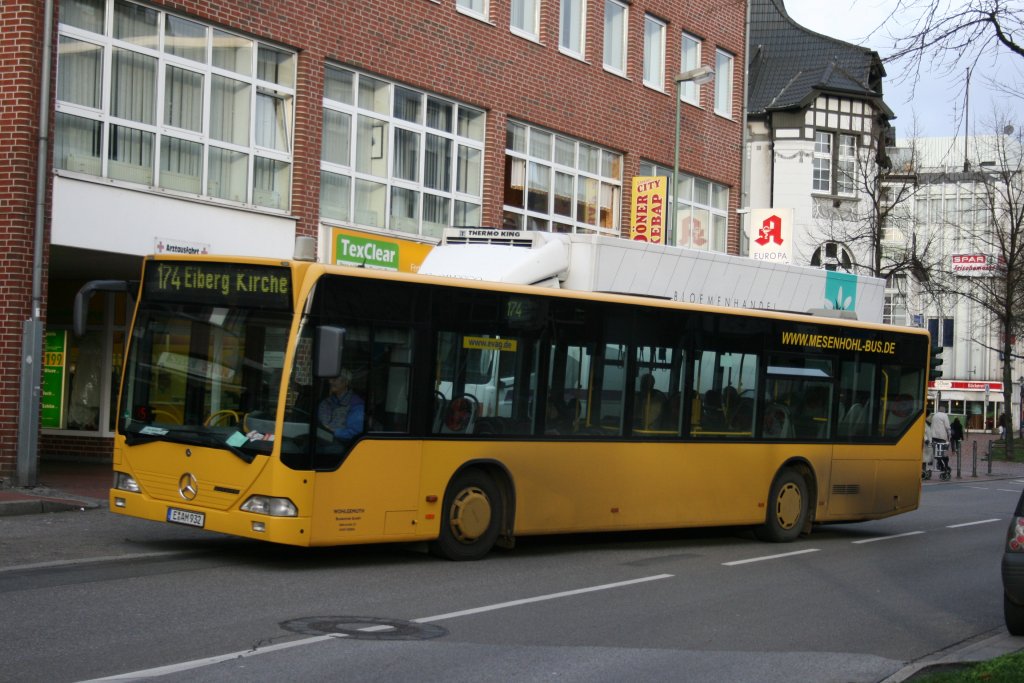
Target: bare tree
(878, 228)
(995, 236)
(954, 34)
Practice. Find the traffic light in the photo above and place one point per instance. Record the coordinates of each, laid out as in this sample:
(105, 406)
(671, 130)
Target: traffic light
(935, 363)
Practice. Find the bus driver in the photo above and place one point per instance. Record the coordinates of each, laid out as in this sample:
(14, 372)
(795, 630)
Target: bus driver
(341, 413)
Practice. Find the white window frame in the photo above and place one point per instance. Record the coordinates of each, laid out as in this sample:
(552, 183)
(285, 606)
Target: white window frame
(654, 52)
(390, 181)
(689, 58)
(550, 159)
(572, 28)
(479, 9)
(846, 165)
(718, 231)
(616, 39)
(530, 17)
(724, 66)
(821, 164)
(276, 122)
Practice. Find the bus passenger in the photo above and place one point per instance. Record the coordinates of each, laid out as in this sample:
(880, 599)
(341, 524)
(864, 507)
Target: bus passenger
(342, 412)
(649, 404)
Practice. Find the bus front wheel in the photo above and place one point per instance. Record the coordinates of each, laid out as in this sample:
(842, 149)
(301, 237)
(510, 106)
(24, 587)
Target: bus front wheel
(788, 508)
(470, 517)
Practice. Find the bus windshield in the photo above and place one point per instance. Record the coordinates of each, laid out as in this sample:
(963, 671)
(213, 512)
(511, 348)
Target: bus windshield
(197, 370)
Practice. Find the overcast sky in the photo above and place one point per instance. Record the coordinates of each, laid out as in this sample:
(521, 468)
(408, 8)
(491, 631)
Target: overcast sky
(938, 99)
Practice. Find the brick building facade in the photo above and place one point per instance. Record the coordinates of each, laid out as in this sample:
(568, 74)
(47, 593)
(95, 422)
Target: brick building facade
(235, 126)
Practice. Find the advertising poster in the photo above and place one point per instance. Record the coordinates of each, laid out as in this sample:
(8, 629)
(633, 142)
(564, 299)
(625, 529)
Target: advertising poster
(367, 250)
(54, 358)
(647, 213)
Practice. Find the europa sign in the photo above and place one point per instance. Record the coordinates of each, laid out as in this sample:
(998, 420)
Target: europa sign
(972, 265)
(771, 235)
(647, 217)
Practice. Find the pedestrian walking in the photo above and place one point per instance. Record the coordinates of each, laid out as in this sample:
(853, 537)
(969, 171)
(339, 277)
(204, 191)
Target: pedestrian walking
(956, 434)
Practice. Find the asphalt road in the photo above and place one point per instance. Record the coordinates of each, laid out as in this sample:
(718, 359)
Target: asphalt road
(91, 595)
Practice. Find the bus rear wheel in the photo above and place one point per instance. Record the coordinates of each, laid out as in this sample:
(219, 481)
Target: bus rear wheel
(788, 508)
(470, 518)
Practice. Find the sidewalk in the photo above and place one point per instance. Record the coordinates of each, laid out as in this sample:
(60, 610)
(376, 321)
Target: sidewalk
(60, 486)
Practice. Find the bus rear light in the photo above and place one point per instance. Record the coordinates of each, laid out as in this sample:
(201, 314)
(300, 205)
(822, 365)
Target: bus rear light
(125, 482)
(267, 505)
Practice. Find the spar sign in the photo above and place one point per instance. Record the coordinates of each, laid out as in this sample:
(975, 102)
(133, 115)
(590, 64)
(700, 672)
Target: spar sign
(974, 265)
(647, 216)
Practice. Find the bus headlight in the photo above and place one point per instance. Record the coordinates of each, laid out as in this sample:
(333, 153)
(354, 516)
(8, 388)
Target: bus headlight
(125, 482)
(266, 505)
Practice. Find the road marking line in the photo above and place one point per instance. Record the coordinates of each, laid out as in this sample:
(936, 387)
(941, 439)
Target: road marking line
(197, 663)
(539, 598)
(208, 661)
(769, 557)
(95, 560)
(983, 521)
(886, 538)
(1009, 490)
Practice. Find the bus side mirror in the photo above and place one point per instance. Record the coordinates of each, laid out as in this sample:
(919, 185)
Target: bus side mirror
(329, 343)
(81, 307)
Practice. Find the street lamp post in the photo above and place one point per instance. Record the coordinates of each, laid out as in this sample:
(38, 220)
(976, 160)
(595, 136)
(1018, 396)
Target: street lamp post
(698, 76)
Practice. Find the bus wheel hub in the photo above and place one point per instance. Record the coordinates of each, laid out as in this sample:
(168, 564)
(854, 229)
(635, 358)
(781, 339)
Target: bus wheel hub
(788, 506)
(471, 514)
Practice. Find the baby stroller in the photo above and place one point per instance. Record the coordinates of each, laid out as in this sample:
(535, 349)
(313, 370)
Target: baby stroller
(936, 453)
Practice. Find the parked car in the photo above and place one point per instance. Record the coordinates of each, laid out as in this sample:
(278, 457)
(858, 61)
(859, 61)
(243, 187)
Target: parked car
(1013, 572)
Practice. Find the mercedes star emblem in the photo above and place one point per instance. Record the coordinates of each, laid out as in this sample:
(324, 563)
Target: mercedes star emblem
(188, 487)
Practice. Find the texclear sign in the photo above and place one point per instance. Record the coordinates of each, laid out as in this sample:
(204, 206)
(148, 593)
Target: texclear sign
(771, 237)
(363, 251)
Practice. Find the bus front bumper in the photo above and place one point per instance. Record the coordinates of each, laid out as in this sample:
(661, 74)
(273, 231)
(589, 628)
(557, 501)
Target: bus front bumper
(287, 530)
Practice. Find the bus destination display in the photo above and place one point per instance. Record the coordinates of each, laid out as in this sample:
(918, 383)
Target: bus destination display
(219, 284)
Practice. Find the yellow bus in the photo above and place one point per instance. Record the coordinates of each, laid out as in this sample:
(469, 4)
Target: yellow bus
(310, 404)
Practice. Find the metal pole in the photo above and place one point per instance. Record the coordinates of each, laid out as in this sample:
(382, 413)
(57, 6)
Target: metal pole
(32, 331)
(673, 200)
(989, 457)
(974, 458)
(956, 447)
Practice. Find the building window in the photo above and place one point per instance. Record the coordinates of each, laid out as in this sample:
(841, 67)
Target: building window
(702, 216)
(946, 338)
(555, 183)
(477, 8)
(571, 27)
(654, 53)
(690, 59)
(616, 23)
(723, 83)
(822, 164)
(846, 165)
(832, 256)
(209, 113)
(835, 166)
(397, 158)
(894, 310)
(525, 17)
(80, 384)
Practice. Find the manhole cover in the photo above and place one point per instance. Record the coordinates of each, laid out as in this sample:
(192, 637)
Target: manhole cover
(364, 628)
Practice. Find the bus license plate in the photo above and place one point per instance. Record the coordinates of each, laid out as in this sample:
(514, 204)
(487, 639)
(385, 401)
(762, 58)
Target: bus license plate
(186, 517)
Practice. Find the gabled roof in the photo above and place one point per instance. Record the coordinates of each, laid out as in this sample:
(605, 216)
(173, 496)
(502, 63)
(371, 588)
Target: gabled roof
(791, 65)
